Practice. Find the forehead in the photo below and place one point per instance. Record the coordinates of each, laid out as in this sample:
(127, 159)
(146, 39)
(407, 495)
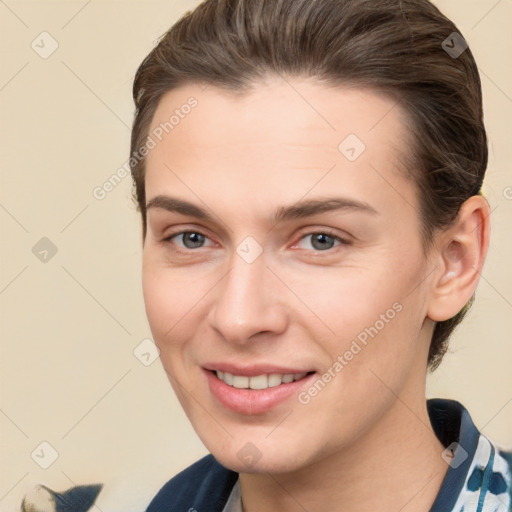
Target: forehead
(279, 131)
(299, 109)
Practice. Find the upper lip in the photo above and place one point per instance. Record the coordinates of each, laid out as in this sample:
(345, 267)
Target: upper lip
(253, 369)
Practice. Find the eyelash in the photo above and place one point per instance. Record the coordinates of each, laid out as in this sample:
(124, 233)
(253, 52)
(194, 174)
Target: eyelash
(327, 232)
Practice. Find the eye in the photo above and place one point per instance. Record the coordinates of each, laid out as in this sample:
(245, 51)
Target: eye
(320, 241)
(189, 239)
(324, 240)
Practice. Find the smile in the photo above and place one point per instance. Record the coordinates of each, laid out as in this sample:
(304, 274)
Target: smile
(263, 381)
(258, 393)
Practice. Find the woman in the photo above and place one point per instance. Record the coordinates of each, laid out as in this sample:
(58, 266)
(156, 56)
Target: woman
(309, 180)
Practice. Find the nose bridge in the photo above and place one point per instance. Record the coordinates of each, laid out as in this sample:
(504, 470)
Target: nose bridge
(245, 303)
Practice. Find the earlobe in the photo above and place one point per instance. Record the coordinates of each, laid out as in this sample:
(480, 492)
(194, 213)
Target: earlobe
(461, 254)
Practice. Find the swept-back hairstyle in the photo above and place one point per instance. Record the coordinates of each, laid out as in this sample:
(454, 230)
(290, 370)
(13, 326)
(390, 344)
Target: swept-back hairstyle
(404, 48)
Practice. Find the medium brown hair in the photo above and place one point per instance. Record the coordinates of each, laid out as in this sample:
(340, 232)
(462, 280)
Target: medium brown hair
(392, 46)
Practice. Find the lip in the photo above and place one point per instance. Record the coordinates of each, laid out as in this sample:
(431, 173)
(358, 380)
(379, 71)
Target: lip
(253, 401)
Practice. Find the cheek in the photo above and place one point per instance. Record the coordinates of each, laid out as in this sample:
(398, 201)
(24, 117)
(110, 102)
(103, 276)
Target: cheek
(165, 301)
(367, 315)
(174, 302)
(166, 310)
(158, 302)
(348, 300)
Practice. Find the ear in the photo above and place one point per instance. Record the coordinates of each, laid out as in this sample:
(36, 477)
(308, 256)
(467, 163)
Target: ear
(459, 259)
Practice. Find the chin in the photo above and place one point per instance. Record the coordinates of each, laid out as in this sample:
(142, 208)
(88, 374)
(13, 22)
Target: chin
(276, 464)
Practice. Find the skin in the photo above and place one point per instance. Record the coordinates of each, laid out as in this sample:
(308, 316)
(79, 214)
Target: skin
(364, 442)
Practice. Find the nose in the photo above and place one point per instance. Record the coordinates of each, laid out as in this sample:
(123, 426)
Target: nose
(247, 303)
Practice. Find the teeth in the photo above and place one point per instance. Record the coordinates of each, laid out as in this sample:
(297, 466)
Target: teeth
(258, 381)
(241, 382)
(274, 379)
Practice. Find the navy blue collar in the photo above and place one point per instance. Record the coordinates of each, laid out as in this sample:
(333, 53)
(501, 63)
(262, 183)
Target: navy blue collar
(452, 423)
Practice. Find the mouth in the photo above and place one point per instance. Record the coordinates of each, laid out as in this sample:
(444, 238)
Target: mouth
(263, 381)
(258, 393)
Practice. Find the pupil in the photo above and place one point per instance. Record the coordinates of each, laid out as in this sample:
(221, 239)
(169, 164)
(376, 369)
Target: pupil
(322, 238)
(195, 238)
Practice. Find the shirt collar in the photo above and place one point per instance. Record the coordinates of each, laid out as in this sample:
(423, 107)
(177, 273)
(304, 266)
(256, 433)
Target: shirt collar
(455, 429)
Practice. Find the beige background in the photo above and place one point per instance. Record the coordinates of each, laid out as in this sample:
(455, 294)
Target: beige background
(69, 325)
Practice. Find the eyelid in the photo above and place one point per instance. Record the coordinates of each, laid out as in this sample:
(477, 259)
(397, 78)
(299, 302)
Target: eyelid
(167, 238)
(309, 232)
(324, 231)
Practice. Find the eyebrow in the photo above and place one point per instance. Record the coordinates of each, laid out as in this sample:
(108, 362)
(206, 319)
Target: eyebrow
(299, 210)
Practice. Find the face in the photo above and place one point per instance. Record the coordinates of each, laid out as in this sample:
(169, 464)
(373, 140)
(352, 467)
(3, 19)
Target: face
(283, 251)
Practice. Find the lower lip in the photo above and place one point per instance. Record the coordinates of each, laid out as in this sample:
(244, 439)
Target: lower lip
(253, 401)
